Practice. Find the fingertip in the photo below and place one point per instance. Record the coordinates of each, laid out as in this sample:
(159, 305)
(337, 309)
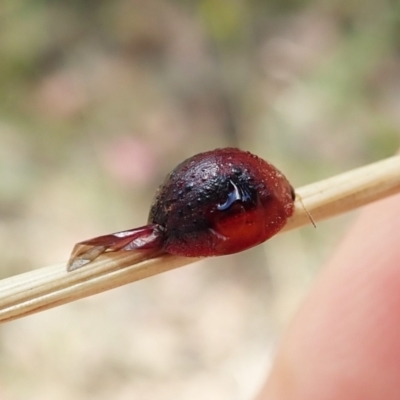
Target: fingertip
(343, 342)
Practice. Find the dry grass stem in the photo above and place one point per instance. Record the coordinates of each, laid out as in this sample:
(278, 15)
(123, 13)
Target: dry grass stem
(48, 287)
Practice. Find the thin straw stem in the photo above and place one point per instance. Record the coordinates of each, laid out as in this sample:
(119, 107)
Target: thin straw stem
(47, 287)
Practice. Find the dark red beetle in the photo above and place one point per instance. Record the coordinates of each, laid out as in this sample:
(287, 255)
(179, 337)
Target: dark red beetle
(214, 203)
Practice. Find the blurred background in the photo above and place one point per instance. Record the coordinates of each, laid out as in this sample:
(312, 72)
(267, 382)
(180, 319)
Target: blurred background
(99, 100)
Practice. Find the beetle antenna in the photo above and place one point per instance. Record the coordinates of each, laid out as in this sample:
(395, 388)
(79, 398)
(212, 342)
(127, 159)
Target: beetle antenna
(305, 209)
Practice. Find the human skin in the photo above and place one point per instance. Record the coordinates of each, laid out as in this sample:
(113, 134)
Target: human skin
(344, 342)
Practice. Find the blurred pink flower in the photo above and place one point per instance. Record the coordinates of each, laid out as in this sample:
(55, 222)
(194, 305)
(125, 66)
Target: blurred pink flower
(130, 161)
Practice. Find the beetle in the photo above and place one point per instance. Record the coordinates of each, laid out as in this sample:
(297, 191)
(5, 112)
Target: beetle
(214, 203)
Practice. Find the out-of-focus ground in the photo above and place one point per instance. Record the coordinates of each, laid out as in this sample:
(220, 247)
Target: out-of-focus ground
(99, 100)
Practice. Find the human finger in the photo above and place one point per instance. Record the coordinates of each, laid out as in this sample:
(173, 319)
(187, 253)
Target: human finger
(344, 342)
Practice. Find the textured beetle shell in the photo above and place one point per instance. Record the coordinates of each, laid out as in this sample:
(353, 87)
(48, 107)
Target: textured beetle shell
(189, 201)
